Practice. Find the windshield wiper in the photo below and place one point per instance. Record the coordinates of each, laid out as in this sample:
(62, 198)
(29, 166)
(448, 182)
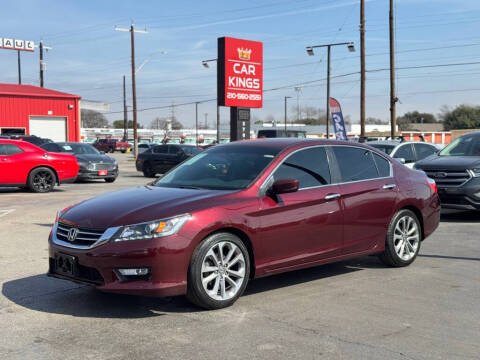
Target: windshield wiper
(189, 187)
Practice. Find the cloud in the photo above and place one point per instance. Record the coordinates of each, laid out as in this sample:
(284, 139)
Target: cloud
(200, 44)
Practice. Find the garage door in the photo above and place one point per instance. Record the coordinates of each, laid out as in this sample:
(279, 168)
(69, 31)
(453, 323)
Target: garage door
(54, 128)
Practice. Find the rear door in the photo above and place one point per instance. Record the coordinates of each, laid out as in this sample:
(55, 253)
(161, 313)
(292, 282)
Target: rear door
(14, 165)
(303, 226)
(368, 193)
(159, 158)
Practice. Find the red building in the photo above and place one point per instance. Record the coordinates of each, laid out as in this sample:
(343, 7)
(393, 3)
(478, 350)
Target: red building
(32, 110)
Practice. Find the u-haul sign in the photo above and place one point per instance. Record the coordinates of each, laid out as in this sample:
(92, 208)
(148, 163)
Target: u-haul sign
(240, 73)
(16, 44)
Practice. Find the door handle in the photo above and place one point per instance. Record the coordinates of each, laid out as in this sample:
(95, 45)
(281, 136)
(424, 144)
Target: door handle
(389, 186)
(332, 196)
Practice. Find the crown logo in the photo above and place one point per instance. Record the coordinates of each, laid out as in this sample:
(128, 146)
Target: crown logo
(244, 54)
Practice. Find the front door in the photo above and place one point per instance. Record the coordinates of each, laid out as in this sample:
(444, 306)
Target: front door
(304, 226)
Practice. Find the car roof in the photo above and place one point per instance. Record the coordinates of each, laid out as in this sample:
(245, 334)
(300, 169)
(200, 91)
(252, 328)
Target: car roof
(395, 143)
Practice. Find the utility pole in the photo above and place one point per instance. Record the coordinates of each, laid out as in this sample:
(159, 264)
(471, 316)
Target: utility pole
(43, 66)
(393, 97)
(19, 68)
(298, 89)
(125, 116)
(206, 121)
(134, 88)
(286, 97)
(196, 123)
(218, 124)
(328, 92)
(362, 69)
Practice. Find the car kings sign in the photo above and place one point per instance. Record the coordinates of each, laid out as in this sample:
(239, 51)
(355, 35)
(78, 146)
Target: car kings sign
(240, 73)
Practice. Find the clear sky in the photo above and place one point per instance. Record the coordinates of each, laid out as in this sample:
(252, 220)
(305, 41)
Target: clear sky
(89, 58)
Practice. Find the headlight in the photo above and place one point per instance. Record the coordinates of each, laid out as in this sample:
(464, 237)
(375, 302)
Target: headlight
(475, 172)
(152, 229)
(90, 166)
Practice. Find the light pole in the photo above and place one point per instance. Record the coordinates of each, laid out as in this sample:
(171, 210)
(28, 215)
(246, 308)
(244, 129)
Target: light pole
(205, 65)
(286, 97)
(351, 48)
(196, 123)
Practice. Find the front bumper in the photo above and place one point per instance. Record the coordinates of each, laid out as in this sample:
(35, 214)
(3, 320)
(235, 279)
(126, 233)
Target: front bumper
(92, 175)
(465, 197)
(167, 258)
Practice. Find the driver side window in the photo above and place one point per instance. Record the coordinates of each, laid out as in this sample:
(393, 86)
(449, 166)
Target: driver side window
(308, 166)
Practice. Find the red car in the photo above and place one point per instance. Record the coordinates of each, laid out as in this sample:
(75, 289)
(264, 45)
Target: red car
(244, 210)
(23, 164)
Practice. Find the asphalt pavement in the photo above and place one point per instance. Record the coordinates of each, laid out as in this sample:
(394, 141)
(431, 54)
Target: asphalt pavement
(357, 309)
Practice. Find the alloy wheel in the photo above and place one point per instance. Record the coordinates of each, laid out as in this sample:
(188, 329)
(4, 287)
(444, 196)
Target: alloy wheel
(43, 181)
(406, 238)
(223, 271)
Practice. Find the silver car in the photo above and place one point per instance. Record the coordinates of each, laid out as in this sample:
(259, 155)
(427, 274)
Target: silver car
(406, 152)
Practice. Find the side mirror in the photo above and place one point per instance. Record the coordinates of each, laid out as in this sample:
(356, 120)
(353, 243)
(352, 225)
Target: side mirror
(283, 186)
(401, 160)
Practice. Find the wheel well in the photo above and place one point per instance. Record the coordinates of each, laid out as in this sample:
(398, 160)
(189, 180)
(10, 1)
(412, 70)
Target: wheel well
(246, 240)
(48, 167)
(418, 213)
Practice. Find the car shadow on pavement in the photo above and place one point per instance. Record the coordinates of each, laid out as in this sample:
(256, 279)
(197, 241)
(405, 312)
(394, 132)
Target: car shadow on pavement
(448, 257)
(41, 293)
(452, 216)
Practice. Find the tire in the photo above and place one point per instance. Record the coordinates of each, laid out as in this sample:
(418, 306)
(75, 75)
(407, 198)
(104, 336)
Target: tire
(124, 151)
(227, 280)
(41, 180)
(110, 180)
(148, 170)
(403, 241)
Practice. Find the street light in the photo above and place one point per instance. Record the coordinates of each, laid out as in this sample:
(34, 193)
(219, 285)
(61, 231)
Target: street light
(309, 49)
(286, 97)
(205, 65)
(162, 52)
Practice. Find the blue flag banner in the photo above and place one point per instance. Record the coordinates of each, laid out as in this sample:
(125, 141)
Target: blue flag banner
(337, 120)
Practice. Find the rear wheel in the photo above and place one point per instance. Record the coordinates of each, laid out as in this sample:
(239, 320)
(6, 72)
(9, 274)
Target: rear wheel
(41, 180)
(148, 170)
(403, 239)
(218, 272)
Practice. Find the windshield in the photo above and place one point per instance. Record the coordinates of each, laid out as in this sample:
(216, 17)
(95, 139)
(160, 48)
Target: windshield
(463, 146)
(387, 149)
(220, 168)
(80, 149)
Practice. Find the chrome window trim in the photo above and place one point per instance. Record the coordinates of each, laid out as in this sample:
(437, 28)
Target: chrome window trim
(264, 186)
(104, 238)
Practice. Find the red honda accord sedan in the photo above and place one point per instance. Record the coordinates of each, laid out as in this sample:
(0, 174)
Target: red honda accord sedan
(23, 164)
(244, 210)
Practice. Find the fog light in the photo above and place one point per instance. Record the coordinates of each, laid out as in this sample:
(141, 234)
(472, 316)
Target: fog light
(477, 195)
(134, 272)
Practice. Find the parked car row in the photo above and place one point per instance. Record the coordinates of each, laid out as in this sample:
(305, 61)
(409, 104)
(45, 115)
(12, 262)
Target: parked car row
(40, 168)
(111, 145)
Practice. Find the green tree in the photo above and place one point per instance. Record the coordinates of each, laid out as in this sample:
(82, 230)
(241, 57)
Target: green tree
(118, 124)
(414, 117)
(462, 117)
(93, 119)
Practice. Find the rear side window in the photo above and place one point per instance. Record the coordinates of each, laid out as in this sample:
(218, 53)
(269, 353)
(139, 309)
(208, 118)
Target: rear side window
(355, 164)
(9, 149)
(383, 165)
(162, 149)
(405, 152)
(424, 150)
(309, 167)
(52, 147)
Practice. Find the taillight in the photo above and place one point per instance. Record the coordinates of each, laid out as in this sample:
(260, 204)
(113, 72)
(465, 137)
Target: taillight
(433, 185)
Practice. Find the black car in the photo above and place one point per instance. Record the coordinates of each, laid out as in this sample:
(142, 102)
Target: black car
(32, 139)
(456, 170)
(161, 158)
(274, 133)
(94, 164)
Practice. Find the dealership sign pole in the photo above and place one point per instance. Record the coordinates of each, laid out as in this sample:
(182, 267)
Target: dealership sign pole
(337, 120)
(18, 45)
(239, 82)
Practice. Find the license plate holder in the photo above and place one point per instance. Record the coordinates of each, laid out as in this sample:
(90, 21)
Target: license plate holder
(102, 172)
(65, 264)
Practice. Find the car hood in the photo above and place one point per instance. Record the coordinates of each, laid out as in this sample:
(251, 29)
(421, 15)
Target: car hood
(436, 162)
(94, 158)
(139, 204)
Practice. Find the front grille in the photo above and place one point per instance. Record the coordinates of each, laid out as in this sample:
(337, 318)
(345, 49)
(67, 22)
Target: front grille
(448, 178)
(84, 237)
(103, 166)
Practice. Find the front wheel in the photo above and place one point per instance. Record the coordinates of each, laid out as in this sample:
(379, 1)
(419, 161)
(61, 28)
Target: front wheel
(403, 239)
(218, 272)
(148, 170)
(110, 180)
(41, 180)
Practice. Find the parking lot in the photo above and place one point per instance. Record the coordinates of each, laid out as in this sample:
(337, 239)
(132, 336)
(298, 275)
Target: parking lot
(357, 309)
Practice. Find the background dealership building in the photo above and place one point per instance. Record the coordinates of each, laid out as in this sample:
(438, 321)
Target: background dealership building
(27, 109)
